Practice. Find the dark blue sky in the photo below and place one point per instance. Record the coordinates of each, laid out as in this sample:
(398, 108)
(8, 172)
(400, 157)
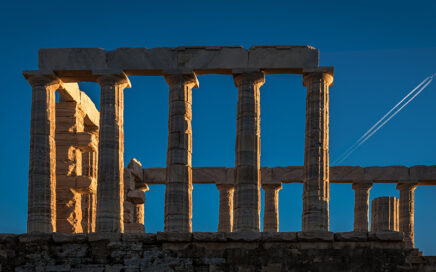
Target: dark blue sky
(380, 51)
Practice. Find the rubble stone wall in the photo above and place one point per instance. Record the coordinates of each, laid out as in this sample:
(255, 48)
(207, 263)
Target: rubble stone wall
(288, 251)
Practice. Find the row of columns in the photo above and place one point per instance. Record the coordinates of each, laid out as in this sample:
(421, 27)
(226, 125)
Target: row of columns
(178, 195)
(406, 209)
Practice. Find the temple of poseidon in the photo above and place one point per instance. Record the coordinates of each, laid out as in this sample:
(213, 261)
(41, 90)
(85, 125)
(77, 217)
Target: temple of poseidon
(86, 209)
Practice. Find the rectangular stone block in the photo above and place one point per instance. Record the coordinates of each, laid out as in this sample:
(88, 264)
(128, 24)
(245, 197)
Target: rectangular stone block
(208, 237)
(271, 57)
(243, 236)
(324, 236)
(351, 236)
(72, 59)
(385, 236)
(279, 236)
(174, 237)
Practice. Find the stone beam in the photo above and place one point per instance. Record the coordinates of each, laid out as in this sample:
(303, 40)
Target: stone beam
(70, 92)
(77, 64)
(424, 175)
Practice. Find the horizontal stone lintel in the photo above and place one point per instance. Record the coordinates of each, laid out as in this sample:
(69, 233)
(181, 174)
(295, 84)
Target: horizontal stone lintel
(185, 237)
(422, 175)
(77, 64)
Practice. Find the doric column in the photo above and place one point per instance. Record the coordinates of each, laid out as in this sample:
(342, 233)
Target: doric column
(178, 193)
(361, 206)
(407, 211)
(225, 223)
(316, 156)
(41, 214)
(247, 166)
(110, 188)
(384, 214)
(271, 210)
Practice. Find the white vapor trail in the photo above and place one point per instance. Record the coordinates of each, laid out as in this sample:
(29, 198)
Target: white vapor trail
(380, 123)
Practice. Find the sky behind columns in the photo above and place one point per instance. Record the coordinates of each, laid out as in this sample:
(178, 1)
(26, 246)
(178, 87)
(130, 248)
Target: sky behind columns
(380, 50)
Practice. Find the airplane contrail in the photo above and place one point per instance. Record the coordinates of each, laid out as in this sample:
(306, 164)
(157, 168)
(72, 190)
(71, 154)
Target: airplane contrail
(378, 126)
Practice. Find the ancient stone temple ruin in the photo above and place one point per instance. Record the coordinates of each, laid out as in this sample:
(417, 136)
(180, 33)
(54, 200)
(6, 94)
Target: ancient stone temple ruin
(86, 210)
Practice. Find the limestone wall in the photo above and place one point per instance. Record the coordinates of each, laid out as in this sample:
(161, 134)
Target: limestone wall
(210, 252)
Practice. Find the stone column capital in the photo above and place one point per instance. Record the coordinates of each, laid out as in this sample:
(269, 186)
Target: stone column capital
(362, 185)
(185, 79)
(251, 78)
(37, 78)
(314, 76)
(272, 187)
(109, 78)
(407, 186)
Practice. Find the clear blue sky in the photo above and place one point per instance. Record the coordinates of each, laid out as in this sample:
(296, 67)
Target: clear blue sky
(380, 51)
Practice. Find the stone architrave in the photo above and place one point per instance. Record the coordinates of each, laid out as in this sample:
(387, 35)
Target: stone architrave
(384, 214)
(41, 215)
(178, 193)
(316, 156)
(110, 189)
(271, 210)
(361, 206)
(247, 166)
(225, 223)
(407, 212)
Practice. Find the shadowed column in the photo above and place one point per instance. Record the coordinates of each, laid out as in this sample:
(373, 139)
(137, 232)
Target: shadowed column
(271, 210)
(361, 206)
(178, 191)
(225, 223)
(247, 166)
(316, 156)
(110, 188)
(384, 214)
(41, 215)
(407, 212)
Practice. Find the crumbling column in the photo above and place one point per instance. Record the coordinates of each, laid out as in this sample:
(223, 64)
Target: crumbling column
(41, 214)
(178, 193)
(271, 210)
(316, 156)
(247, 167)
(225, 223)
(384, 214)
(407, 212)
(361, 206)
(110, 189)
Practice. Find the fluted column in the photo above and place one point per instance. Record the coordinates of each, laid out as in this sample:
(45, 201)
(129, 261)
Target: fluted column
(110, 183)
(41, 214)
(225, 223)
(384, 214)
(271, 210)
(407, 212)
(316, 156)
(178, 192)
(361, 206)
(247, 165)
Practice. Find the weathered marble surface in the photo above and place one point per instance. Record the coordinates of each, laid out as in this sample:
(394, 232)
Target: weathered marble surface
(77, 64)
(424, 175)
(287, 251)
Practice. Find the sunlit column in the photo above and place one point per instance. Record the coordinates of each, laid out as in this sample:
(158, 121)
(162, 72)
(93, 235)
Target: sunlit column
(316, 156)
(110, 188)
(41, 214)
(178, 192)
(225, 223)
(271, 210)
(361, 206)
(247, 168)
(407, 212)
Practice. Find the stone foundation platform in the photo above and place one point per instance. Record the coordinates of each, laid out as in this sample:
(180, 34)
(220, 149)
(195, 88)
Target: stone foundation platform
(284, 251)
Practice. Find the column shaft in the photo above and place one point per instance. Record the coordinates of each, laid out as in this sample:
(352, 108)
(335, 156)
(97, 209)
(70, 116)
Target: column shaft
(316, 156)
(178, 193)
(271, 210)
(225, 223)
(247, 166)
(41, 215)
(110, 189)
(407, 212)
(361, 206)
